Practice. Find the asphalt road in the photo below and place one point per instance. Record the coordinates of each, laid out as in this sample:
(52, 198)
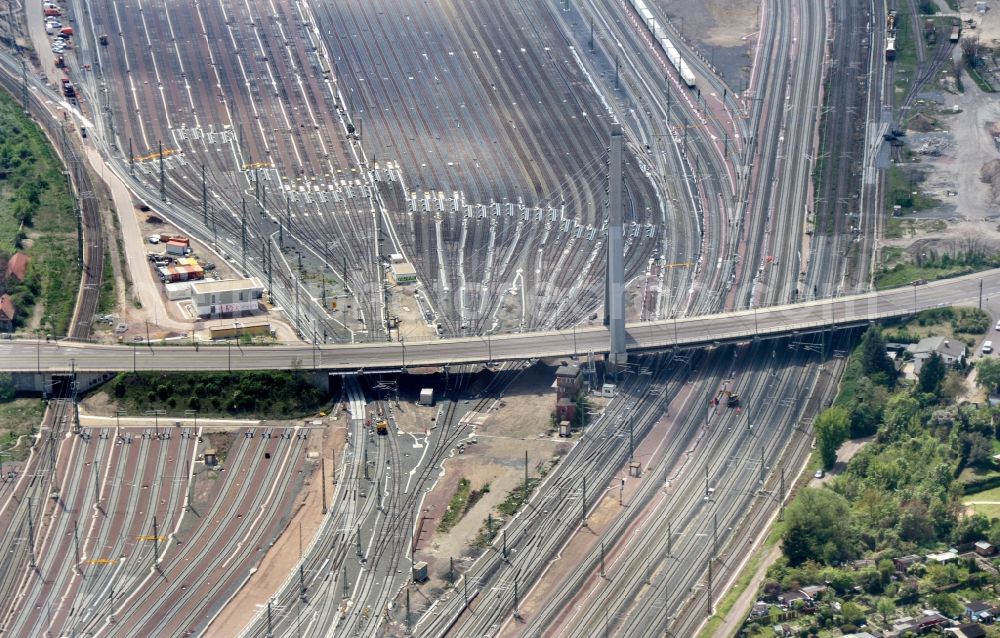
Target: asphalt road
(36, 356)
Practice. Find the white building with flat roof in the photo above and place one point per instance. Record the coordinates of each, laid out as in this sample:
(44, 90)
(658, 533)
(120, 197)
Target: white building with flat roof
(226, 297)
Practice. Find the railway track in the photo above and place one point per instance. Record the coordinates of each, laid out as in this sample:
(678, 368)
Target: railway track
(89, 228)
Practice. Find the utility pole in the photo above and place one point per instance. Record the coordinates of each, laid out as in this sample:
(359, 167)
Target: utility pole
(204, 196)
(163, 178)
(156, 543)
(583, 503)
(781, 497)
(525, 476)
(243, 231)
(407, 609)
(31, 534)
(24, 85)
(131, 159)
(709, 587)
(602, 558)
(322, 468)
(76, 544)
(631, 441)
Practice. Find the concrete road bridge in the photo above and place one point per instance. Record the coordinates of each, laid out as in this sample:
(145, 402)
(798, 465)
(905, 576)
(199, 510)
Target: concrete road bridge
(27, 356)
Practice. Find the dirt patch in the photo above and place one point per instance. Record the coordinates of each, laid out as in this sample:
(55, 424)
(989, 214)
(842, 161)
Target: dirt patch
(519, 421)
(987, 24)
(281, 558)
(410, 417)
(990, 175)
(723, 23)
(496, 463)
(99, 404)
(722, 31)
(960, 172)
(414, 325)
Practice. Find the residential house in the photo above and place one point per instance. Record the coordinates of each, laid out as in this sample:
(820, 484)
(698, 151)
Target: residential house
(978, 611)
(950, 351)
(760, 609)
(6, 314)
(927, 622)
(942, 557)
(813, 591)
(903, 563)
(17, 266)
(786, 598)
(968, 630)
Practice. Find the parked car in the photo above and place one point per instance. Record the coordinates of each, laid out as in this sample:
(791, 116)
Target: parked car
(154, 239)
(819, 473)
(987, 347)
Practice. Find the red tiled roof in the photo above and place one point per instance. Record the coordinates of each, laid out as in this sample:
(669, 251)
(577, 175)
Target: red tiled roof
(17, 266)
(6, 308)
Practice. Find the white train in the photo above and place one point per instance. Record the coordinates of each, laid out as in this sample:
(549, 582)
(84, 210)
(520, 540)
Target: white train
(668, 47)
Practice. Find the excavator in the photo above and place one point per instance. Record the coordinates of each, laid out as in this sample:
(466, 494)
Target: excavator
(732, 399)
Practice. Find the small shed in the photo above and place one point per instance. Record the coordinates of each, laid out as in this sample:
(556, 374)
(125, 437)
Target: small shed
(178, 290)
(985, 548)
(420, 572)
(426, 396)
(210, 458)
(565, 431)
(175, 247)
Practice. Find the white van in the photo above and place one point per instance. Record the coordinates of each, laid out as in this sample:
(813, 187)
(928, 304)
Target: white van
(987, 347)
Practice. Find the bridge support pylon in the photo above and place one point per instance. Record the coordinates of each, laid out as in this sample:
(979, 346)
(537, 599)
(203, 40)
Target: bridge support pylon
(614, 284)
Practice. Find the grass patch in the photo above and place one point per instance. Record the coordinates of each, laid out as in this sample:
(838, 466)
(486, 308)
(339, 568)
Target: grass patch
(18, 418)
(37, 217)
(107, 304)
(726, 604)
(989, 510)
(903, 189)
(980, 81)
(457, 507)
(906, 51)
(899, 269)
(263, 394)
(987, 495)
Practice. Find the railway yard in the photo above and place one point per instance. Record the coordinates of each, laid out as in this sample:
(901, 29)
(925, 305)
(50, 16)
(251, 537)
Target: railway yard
(403, 170)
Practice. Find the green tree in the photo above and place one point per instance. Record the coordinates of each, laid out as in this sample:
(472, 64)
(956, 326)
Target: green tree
(852, 613)
(931, 374)
(832, 426)
(6, 387)
(945, 603)
(874, 361)
(901, 414)
(817, 527)
(988, 374)
(885, 607)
